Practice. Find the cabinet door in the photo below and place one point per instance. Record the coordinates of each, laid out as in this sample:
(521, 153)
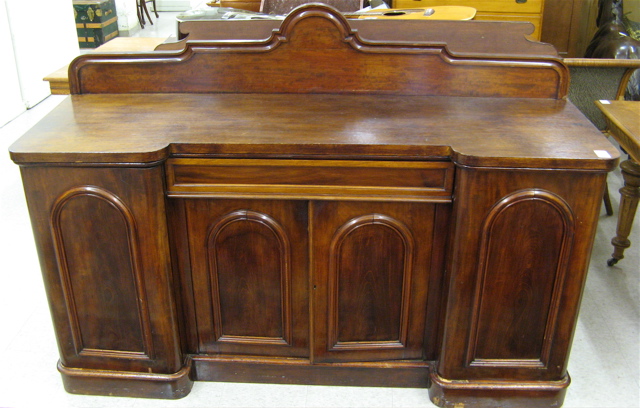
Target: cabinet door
(249, 270)
(106, 267)
(371, 274)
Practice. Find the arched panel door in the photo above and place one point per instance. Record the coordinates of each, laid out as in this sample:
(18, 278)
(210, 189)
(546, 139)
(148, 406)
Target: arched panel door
(372, 265)
(96, 244)
(514, 320)
(249, 272)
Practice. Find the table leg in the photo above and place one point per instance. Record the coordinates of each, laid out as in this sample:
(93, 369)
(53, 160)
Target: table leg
(630, 195)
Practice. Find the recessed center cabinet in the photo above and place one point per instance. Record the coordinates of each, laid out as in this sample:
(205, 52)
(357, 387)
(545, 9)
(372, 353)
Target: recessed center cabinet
(250, 276)
(272, 277)
(371, 271)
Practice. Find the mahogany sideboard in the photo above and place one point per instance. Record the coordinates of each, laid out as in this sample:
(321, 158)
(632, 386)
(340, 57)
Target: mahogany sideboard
(324, 205)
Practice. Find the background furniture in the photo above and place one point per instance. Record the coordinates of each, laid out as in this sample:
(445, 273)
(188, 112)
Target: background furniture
(569, 25)
(623, 122)
(305, 229)
(494, 10)
(593, 79)
(141, 7)
(423, 34)
(250, 5)
(96, 22)
(282, 7)
(59, 79)
(449, 13)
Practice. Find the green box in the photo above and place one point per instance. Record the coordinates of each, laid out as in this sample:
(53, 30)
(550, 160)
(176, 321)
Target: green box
(96, 22)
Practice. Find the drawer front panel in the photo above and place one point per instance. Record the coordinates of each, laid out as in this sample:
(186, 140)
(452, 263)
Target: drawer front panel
(492, 6)
(310, 179)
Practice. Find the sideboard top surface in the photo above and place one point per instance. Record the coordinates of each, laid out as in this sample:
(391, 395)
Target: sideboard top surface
(486, 132)
(320, 88)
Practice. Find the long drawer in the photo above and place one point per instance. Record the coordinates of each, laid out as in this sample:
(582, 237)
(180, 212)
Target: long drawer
(311, 179)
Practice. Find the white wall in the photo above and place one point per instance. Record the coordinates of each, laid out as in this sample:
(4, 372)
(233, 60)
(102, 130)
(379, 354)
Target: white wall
(176, 5)
(127, 15)
(44, 39)
(11, 104)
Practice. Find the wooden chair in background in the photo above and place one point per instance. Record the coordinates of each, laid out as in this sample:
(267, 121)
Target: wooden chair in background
(594, 79)
(141, 10)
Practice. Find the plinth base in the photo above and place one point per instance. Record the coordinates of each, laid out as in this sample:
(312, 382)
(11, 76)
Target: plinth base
(504, 394)
(126, 384)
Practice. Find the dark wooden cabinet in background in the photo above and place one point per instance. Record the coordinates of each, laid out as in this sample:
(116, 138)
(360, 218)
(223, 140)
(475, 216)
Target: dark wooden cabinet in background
(373, 203)
(569, 25)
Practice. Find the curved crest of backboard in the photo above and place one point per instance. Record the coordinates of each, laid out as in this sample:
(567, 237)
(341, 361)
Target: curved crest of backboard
(316, 50)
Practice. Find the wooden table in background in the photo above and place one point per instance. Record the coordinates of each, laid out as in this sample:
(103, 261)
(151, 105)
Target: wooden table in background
(623, 120)
(59, 79)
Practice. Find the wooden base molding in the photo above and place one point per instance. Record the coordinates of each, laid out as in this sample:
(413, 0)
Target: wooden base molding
(498, 393)
(127, 384)
(300, 371)
(419, 374)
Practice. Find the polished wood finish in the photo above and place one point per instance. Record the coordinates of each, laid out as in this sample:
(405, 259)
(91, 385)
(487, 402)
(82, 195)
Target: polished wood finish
(125, 326)
(624, 125)
(337, 210)
(272, 273)
(396, 373)
(355, 180)
(240, 133)
(372, 263)
(418, 69)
